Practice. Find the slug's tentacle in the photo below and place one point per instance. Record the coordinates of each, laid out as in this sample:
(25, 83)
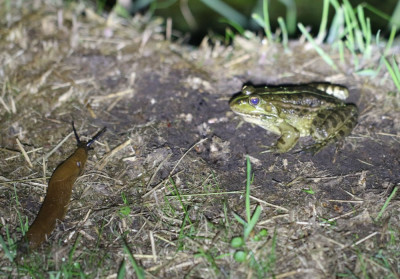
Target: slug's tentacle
(96, 137)
(76, 134)
(55, 204)
(89, 143)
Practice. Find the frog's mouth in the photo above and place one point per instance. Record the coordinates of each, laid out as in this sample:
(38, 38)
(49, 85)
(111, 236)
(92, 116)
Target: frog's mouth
(257, 116)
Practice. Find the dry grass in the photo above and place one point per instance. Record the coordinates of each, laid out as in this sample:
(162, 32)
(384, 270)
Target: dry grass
(161, 187)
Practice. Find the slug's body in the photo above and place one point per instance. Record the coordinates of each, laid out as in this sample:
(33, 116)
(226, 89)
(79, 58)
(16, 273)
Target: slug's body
(58, 195)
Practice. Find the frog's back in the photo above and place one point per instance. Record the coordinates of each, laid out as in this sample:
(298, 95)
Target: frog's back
(301, 98)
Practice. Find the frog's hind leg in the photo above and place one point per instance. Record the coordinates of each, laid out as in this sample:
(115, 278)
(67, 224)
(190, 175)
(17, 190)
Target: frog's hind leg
(333, 125)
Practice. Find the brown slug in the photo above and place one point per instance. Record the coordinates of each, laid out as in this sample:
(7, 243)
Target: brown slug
(55, 204)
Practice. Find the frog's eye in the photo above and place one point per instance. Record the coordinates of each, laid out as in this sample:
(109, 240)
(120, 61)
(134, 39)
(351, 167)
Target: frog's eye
(254, 101)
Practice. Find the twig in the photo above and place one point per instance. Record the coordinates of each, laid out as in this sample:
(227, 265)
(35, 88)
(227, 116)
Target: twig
(24, 153)
(112, 153)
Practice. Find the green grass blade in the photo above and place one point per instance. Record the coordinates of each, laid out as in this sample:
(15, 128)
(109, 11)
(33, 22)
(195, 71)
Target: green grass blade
(267, 25)
(349, 26)
(209, 258)
(351, 48)
(396, 69)
(5, 249)
(121, 270)
(385, 205)
(285, 37)
(395, 19)
(239, 219)
(181, 231)
(336, 27)
(368, 73)
(341, 51)
(366, 31)
(73, 249)
(138, 270)
(252, 222)
(226, 11)
(392, 72)
(324, 21)
(291, 15)
(248, 183)
(335, 4)
(361, 19)
(235, 25)
(179, 197)
(259, 20)
(272, 254)
(376, 11)
(319, 50)
(390, 41)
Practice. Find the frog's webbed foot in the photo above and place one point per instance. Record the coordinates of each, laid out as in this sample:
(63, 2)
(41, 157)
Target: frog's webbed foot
(277, 148)
(269, 149)
(314, 149)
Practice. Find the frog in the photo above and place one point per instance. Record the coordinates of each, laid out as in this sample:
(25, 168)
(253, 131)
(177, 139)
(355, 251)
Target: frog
(318, 110)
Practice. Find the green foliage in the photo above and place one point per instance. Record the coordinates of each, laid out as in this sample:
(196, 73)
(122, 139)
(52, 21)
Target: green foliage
(244, 253)
(240, 256)
(125, 210)
(309, 191)
(237, 242)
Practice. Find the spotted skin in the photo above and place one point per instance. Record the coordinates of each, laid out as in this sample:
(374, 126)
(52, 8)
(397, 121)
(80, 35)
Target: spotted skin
(333, 125)
(297, 111)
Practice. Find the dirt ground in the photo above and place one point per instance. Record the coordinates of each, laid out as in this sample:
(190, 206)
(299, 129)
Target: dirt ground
(166, 109)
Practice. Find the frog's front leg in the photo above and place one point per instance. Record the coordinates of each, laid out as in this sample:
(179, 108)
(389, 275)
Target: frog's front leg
(332, 125)
(289, 137)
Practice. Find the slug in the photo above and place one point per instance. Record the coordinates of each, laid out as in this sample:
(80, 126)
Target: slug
(55, 204)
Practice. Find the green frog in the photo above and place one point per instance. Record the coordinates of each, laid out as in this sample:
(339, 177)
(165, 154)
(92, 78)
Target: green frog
(295, 111)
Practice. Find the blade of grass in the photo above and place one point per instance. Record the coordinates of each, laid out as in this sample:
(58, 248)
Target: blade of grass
(267, 25)
(291, 15)
(348, 12)
(207, 255)
(366, 31)
(392, 71)
(138, 270)
(250, 226)
(272, 254)
(336, 24)
(181, 230)
(376, 11)
(239, 219)
(179, 197)
(385, 205)
(390, 40)
(235, 25)
(73, 249)
(121, 270)
(396, 70)
(285, 38)
(395, 18)
(324, 22)
(5, 249)
(319, 50)
(226, 11)
(248, 183)
(23, 227)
